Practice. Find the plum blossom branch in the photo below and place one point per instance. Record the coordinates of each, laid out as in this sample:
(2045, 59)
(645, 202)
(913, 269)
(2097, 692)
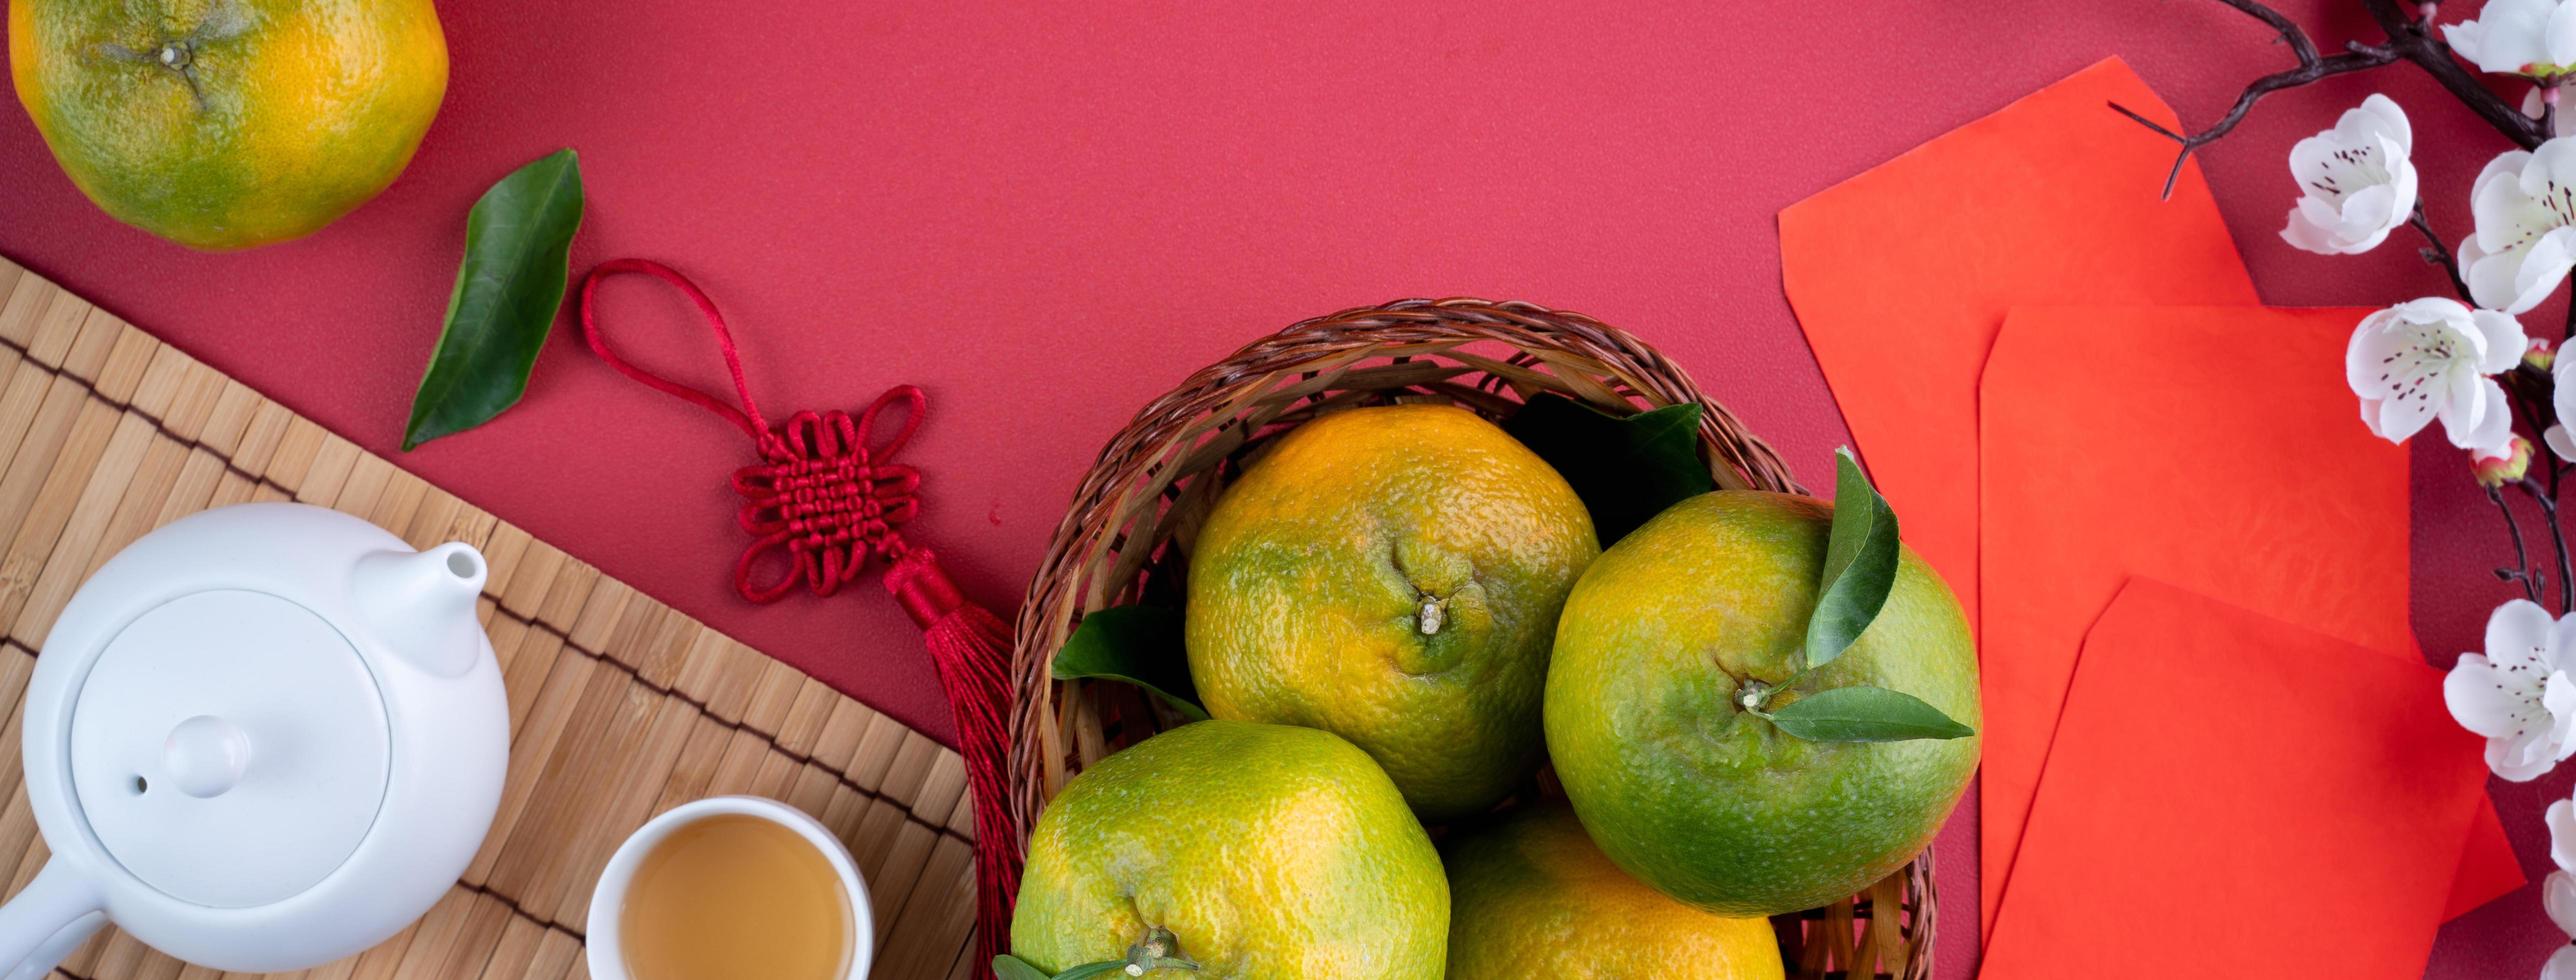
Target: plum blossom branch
(2311, 68)
(2566, 568)
(2521, 572)
(2438, 252)
(2531, 392)
(2408, 38)
(2407, 41)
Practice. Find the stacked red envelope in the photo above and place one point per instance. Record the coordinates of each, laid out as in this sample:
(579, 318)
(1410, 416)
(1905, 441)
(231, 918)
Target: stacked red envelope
(2185, 557)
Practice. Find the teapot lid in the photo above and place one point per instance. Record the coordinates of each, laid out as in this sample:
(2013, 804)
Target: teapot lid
(229, 748)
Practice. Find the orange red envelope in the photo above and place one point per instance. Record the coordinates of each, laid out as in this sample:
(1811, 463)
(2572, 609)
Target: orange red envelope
(2217, 768)
(2213, 448)
(1901, 276)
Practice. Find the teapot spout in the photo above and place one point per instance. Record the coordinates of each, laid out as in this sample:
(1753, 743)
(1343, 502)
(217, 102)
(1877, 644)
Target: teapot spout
(421, 604)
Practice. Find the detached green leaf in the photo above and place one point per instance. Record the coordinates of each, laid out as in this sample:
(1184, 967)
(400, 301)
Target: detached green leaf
(1009, 967)
(518, 240)
(1141, 645)
(1625, 469)
(1865, 714)
(1860, 564)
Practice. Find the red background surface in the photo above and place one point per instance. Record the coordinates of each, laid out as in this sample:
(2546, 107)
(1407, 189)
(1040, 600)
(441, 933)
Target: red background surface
(1047, 213)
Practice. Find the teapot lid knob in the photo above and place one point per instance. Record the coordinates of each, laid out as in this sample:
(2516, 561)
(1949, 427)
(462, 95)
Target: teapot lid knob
(206, 756)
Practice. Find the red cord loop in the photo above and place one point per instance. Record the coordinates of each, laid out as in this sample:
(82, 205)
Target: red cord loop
(822, 496)
(747, 418)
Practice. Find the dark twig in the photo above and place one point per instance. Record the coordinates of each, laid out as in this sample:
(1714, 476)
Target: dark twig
(2558, 537)
(2521, 572)
(2288, 29)
(2407, 41)
(2528, 389)
(2438, 253)
(2408, 38)
(2311, 68)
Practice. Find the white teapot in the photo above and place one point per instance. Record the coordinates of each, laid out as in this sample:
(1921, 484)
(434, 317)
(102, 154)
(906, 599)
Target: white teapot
(261, 738)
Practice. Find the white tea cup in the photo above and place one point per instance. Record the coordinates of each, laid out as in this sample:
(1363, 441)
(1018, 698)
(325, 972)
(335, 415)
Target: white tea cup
(607, 947)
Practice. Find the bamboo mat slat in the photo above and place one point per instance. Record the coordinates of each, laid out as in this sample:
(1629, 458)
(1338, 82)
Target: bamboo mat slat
(620, 707)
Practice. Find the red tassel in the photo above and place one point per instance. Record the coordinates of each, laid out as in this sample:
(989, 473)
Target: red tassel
(828, 497)
(972, 651)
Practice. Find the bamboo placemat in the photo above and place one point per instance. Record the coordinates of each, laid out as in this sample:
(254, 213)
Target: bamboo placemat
(620, 707)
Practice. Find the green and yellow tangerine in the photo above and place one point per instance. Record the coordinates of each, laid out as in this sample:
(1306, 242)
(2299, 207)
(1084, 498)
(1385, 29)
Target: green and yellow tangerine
(1659, 646)
(1261, 851)
(1392, 575)
(225, 124)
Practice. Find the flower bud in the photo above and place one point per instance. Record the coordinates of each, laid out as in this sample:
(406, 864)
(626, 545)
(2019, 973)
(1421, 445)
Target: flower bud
(2540, 355)
(2499, 467)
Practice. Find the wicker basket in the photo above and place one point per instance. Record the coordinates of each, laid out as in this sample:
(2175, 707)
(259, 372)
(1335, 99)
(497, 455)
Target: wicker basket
(1128, 534)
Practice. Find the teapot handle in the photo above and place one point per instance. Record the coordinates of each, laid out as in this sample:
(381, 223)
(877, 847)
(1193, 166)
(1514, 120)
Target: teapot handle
(48, 919)
(55, 950)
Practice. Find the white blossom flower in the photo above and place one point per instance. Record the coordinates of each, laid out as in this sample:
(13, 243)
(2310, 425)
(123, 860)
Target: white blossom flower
(2525, 202)
(2518, 695)
(2558, 895)
(2535, 38)
(2561, 965)
(2432, 358)
(2357, 181)
(2561, 818)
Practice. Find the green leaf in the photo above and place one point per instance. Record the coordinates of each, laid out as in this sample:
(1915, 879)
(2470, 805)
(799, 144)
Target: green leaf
(1140, 645)
(1864, 714)
(1860, 564)
(1009, 967)
(1625, 469)
(1089, 970)
(517, 245)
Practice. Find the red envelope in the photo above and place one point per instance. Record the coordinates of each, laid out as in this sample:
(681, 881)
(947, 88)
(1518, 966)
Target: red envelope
(2217, 449)
(2217, 771)
(1901, 276)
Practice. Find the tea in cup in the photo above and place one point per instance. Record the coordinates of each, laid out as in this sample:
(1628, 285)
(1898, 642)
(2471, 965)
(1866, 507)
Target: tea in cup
(731, 886)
